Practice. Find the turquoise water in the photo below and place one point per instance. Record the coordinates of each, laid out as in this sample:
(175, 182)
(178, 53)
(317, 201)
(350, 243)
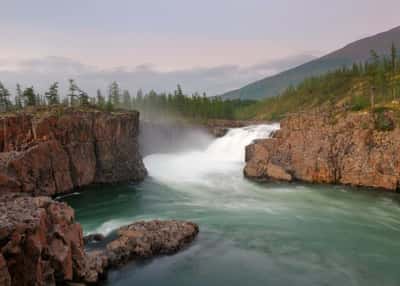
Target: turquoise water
(250, 234)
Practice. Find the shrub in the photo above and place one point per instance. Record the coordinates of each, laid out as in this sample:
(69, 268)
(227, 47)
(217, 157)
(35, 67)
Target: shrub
(383, 122)
(358, 103)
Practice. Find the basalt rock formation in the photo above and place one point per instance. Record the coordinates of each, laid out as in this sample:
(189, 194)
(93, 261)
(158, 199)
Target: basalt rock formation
(350, 149)
(54, 151)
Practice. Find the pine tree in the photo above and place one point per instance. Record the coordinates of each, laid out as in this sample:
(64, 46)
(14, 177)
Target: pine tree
(52, 94)
(18, 97)
(393, 62)
(73, 88)
(114, 94)
(83, 97)
(29, 96)
(373, 76)
(101, 102)
(126, 99)
(4, 98)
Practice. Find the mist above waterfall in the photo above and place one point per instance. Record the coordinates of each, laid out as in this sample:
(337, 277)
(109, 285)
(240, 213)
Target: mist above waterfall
(171, 137)
(220, 160)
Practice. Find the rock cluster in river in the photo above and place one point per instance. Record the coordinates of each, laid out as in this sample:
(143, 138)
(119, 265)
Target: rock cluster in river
(41, 244)
(319, 148)
(55, 151)
(150, 238)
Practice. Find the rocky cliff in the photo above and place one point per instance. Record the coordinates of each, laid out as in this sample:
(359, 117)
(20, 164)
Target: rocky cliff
(349, 149)
(41, 243)
(52, 152)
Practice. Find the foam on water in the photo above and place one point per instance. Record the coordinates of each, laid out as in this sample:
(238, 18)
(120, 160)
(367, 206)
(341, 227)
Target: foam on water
(224, 156)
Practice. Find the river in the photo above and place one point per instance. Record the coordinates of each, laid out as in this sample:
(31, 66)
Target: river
(250, 234)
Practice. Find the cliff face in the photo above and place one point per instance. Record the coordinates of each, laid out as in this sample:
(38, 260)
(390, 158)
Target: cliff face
(40, 243)
(56, 152)
(320, 149)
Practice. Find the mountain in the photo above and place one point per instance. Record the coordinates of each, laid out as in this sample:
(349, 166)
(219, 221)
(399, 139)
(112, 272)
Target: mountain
(354, 52)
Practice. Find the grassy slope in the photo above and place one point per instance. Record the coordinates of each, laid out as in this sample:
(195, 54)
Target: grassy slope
(358, 51)
(343, 91)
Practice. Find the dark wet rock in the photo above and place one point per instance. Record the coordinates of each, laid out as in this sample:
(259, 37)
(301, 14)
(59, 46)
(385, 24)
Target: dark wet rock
(5, 279)
(95, 237)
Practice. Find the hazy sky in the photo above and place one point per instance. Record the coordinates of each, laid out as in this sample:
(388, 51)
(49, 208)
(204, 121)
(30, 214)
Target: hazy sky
(211, 45)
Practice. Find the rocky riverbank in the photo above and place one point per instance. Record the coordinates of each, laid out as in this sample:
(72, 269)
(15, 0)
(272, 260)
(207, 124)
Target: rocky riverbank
(54, 151)
(358, 149)
(41, 243)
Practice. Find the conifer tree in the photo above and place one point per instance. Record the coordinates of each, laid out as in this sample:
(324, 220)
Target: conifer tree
(126, 99)
(52, 94)
(393, 62)
(73, 89)
(114, 94)
(19, 97)
(29, 96)
(101, 102)
(4, 98)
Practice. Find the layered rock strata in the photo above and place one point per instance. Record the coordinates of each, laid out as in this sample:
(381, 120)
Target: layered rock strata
(54, 152)
(318, 148)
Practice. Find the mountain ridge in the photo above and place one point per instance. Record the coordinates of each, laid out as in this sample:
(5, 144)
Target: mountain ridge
(353, 52)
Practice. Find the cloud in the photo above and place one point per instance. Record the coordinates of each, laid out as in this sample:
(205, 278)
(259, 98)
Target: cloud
(41, 72)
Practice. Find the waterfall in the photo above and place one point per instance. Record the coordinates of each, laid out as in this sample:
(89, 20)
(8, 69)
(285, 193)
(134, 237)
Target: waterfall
(223, 156)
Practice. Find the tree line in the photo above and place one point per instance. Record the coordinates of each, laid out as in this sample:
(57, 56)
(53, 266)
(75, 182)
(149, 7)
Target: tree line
(363, 85)
(151, 104)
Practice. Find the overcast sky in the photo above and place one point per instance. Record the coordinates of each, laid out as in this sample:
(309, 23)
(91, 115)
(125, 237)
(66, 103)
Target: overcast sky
(208, 45)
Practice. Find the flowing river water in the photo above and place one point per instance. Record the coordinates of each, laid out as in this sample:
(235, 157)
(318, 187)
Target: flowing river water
(250, 234)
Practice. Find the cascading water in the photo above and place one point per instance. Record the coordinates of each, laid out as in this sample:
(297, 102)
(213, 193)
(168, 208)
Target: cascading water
(224, 156)
(250, 234)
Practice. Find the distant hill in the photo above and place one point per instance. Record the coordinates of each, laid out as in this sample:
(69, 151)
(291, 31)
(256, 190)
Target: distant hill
(354, 52)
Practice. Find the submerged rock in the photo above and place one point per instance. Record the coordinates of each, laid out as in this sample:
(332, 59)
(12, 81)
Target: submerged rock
(52, 152)
(95, 237)
(319, 148)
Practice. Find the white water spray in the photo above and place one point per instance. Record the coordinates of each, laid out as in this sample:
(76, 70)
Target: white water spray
(224, 156)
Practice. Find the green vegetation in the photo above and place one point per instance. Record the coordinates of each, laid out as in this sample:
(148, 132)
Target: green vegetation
(152, 105)
(355, 52)
(364, 86)
(375, 83)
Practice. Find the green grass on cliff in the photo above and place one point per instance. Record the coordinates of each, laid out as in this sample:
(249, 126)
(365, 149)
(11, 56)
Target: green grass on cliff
(344, 89)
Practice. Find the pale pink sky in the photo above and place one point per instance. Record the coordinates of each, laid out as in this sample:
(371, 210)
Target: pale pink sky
(184, 35)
